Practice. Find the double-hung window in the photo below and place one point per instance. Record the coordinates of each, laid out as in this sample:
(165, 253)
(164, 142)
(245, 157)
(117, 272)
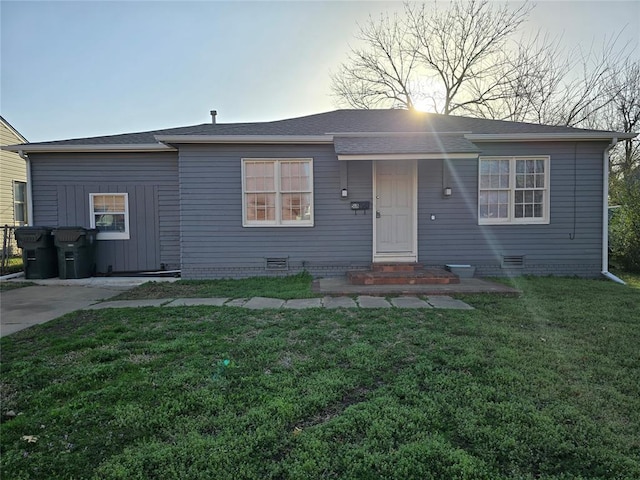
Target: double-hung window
(20, 203)
(110, 215)
(277, 192)
(513, 190)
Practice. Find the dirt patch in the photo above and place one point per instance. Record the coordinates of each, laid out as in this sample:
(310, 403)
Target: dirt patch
(9, 404)
(71, 323)
(350, 398)
(141, 358)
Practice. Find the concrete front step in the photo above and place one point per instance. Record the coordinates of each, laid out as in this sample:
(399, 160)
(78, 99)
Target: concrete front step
(422, 276)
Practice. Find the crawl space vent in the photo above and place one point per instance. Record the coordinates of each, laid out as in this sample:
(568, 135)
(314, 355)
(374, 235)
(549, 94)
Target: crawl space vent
(512, 261)
(277, 263)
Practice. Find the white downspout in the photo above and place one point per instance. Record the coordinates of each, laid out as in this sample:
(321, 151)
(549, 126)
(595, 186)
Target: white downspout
(25, 157)
(605, 214)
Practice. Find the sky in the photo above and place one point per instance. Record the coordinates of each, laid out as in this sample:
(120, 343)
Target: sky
(71, 69)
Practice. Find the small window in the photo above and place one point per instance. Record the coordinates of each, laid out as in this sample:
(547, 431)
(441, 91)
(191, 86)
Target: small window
(513, 190)
(277, 192)
(110, 215)
(20, 216)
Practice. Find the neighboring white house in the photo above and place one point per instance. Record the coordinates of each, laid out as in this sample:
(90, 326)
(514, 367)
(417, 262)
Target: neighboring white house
(13, 181)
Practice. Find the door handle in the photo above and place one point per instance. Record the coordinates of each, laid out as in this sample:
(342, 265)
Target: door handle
(377, 213)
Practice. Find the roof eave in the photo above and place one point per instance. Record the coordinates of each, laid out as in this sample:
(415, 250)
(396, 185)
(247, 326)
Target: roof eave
(396, 134)
(245, 139)
(408, 156)
(90, 148)
(548, 137)
(10, 127)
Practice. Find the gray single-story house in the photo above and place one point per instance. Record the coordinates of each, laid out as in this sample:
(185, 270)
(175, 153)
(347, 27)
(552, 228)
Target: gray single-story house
(333, 192)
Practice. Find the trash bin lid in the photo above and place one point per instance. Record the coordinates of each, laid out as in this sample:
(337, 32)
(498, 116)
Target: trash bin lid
(69, 234)
(30, 237)
(30, 234)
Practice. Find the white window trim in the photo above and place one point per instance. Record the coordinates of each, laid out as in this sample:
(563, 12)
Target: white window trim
(278, 222)
(511, 220)
(110, 235)
(23, 204)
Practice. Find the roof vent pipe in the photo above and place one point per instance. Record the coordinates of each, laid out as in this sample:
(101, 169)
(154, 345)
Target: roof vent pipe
(213, 116)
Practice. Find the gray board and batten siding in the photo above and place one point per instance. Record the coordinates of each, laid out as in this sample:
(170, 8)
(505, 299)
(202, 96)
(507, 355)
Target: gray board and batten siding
(214, 243)
(62, 184)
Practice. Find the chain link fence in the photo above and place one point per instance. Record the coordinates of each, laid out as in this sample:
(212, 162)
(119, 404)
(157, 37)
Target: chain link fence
(11, 254)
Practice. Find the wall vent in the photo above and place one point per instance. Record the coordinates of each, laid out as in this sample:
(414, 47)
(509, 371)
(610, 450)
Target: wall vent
(512, 261)
(276, 263)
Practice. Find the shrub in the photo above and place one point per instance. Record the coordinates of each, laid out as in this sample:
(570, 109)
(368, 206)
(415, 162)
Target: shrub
(624, 230)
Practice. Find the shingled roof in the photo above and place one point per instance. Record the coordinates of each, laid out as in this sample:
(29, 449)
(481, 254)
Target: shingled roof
(335, 123)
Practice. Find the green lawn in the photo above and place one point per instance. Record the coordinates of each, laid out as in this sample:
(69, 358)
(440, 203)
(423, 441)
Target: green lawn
(12, 265)
(287, 288)
(540, 386)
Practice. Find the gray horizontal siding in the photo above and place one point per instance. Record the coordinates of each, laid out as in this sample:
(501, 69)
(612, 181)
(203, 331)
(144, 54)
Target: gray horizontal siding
(214, 243)
(62, 184)
(456, 237)
(188, 213)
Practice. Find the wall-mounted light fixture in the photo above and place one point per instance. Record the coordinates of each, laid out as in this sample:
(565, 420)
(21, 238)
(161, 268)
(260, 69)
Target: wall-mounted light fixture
(344, 193)
(447, 191)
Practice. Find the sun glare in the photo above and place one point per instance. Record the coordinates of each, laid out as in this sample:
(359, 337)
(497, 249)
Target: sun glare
(425, 105)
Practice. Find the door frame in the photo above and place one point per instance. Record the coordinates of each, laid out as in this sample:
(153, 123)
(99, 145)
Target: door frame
(410, 257)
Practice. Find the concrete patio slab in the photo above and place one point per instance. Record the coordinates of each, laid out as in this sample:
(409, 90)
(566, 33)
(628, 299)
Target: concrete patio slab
(409, 302)
(366, 301)
(443, 301)
(301, 303)
(257, 303)
(189, 302)
(339, 302)
(24, 307)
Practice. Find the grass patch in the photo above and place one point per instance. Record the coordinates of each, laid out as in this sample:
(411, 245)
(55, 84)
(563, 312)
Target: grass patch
(544, 385)
(632, 279)
(12, 265)
(286, 288)
(6, 286)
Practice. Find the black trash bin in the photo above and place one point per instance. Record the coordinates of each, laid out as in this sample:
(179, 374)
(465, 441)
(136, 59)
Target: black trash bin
(38, 252)
(76, 251)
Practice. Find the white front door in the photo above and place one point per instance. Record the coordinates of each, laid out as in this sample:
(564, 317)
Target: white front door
(395, 231)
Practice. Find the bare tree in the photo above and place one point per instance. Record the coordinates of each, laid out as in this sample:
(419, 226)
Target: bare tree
(380, 73)
(623, 115)
(463, 48)
(527, 82)
(443, 56)
(565, 88)
(466, 60)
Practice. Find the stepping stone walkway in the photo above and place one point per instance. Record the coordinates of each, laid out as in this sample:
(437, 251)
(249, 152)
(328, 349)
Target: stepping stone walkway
(301, 303)
(189, 302)
(339, 302)
(128, 303)
(443, 301)
(409, 302)
(366, 301)
(256, 303)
